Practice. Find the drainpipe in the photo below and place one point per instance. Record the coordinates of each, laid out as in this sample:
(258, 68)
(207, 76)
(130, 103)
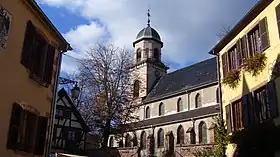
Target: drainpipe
(220, 95)
(53, 106)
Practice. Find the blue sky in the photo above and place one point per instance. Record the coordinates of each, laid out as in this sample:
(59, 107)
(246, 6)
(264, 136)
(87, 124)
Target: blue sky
(188, 28)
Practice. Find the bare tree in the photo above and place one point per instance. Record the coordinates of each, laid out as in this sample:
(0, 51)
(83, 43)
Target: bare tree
(106, 79)
(224, 30)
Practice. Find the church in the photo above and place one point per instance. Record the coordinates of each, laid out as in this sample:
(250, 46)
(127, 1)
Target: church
(176, 109)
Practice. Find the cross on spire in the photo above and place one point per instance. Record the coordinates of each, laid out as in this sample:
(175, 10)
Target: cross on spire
(149, 15)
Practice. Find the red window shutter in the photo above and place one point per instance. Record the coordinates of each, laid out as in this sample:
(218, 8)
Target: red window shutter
(244, 47)
(41, 135)
(28, 45)
(49, 64)
(277, 9)
(228, 118)
(14, 131)
(264, 37)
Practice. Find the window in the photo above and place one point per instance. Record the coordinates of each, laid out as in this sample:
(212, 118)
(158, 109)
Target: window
(143, 140)
(192, 136)
(180, 135)
(253, 108)
(127, 141)
(136, 88)
(59, 113)
(257, 40)
(160, 138)
(161, 109)
(180, 106)
(23, 127)
(147, 112)
(198, 100)
(277, 9)
(261, 99)
(147, 52)
(156, 54)
(37, 55)
(111, 142)
(234, 111)
(202, 128)
(71, 135)
(138, 55)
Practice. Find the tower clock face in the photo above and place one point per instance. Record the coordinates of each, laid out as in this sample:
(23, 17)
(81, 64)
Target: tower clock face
(157, 73)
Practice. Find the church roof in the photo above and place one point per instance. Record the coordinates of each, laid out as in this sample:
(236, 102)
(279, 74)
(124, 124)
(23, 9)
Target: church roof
(187, 78)
(148, 32)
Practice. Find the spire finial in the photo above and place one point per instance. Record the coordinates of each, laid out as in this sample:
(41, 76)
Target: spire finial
(149, 15)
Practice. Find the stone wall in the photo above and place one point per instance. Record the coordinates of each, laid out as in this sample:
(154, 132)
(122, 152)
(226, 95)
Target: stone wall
(188, 150)
(114, 152)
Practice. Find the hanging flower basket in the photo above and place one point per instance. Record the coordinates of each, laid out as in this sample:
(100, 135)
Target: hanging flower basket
(256, 64)
(232, 79)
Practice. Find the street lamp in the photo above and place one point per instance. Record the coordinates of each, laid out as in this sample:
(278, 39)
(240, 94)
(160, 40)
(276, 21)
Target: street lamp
(75, 92)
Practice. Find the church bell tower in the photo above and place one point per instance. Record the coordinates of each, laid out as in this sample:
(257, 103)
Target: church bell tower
(147, 60)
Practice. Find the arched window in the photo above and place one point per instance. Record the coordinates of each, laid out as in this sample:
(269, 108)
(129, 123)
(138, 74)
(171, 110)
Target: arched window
(192, 136)
(218, 95)
(161, 109)
(202, 129)
(127, 141)
(180, 135)
(147, 52)
(138, 55)
(111, 142)
(198, 100)
(156, 54)
(180, 106)
(134, 139)
(147, 112)
(136, 88)
(143, 140)
(160, 138)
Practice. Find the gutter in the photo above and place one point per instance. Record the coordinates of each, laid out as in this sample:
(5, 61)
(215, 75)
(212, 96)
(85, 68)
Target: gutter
(53, 106)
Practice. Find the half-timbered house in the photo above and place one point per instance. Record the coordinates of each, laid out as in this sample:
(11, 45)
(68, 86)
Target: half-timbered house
(70, 130)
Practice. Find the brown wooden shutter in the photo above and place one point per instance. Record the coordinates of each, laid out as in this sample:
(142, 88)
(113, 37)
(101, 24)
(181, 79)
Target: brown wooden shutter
(264, 35)
(245, 112)
(28, 48)
(278, 17)
(239, 53)
(228, 118)
(272, 99)
(49, 64)
(244, 47)
(225, 64)
(41, 135)
(14, 131)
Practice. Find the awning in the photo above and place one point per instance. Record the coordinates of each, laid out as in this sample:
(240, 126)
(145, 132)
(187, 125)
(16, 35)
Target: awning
(190, 129)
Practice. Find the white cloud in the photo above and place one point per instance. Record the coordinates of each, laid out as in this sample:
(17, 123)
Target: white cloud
(81, 38)
(187, 27)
